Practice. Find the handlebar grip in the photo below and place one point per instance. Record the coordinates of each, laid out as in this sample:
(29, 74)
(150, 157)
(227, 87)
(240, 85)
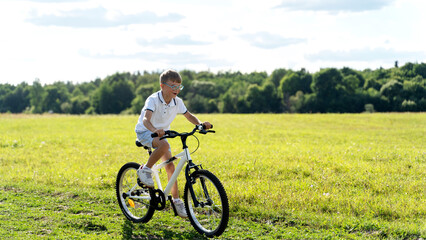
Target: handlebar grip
(154, 135)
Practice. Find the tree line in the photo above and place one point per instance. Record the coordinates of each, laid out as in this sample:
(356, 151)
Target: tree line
(330, 90)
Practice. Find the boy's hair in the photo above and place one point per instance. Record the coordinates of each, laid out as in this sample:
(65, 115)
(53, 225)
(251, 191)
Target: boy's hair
(171, 75)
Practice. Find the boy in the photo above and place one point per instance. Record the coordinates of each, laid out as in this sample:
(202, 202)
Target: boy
(156, 116)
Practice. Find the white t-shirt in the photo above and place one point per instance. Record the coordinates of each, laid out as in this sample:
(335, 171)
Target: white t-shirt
(162, 113)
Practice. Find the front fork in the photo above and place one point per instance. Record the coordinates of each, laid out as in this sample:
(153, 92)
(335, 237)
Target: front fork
(191, 182)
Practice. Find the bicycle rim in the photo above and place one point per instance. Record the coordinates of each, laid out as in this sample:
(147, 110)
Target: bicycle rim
(211, 216)
(130, 194)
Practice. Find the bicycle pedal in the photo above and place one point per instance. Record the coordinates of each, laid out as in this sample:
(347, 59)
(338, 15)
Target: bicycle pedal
(143, 185)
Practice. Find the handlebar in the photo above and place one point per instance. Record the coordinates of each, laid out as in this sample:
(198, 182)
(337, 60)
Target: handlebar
(172, 134)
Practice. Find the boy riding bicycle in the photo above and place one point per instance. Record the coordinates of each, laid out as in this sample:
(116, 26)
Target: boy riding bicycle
(156, 116)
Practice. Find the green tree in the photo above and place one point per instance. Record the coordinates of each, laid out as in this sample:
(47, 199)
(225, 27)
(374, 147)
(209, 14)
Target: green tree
(328, 88)
(241, 105)
(197, 104)
(122, 93)
(233, 100)
(256, 78)
(420, 70)
(56, 94)
(392, 90)
(5, 89)
(106, 100)
(212, 106)
(187, 75)
(79, 103)
(114, 95)
(348, 72)
(142, 93)
(372, 83)
(228, 103)
(413, 93)
(102, 99)
(271, 100)
(255, 99)
(414, 90)
(37, 94)
(296, 102)
(325, 82)
(408, 70)
(17, 100)
(350, 84)
(277, 75)
(204, 88)
(294, 82)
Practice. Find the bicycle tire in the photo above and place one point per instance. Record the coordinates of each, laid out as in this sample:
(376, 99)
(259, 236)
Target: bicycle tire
(211, 217)
(136, 210)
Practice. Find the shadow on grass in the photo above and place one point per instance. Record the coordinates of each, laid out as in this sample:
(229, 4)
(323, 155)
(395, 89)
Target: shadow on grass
(142, 231)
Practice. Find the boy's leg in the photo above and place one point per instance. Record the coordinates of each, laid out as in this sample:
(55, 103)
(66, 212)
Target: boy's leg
(162, 147)
(170, 169)
(179, 205)
(145, 173)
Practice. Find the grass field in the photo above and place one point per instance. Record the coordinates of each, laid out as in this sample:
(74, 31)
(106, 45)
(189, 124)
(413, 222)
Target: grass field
(321, 176)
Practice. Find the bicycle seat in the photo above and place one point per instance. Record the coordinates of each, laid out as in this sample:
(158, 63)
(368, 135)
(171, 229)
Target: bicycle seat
(139, 144)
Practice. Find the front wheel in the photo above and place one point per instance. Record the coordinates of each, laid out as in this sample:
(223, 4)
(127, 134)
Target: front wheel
(211, 215)
(134, 201)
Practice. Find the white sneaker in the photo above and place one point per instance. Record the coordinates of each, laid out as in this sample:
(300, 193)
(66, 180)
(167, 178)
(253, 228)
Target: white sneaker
(145, 177)
(180, 208)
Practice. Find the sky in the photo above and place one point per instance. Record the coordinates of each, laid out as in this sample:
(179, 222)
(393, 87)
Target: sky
(81, 40)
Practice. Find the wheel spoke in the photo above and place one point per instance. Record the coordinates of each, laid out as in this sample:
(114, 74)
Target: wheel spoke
(210, 217)
(134, 200)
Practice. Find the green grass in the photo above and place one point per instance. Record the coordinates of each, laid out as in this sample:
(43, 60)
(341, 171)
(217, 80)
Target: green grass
(327, 176)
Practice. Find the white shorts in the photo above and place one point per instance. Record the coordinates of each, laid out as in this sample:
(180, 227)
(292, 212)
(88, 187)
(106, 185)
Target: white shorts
(146, 139)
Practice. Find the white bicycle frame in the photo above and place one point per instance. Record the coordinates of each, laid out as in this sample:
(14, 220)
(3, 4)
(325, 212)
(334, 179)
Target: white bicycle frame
(184, 157)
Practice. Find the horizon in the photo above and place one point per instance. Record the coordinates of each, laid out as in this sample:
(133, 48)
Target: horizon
(217, 72)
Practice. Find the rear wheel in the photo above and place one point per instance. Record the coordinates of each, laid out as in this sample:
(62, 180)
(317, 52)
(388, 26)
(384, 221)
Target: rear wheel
(211, 216)
(133, 199)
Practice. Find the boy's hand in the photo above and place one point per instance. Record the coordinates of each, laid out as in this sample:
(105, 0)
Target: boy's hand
(207, 125)
(160, 132)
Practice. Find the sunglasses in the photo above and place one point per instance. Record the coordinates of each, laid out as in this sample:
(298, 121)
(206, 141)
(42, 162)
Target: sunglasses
(176, 87)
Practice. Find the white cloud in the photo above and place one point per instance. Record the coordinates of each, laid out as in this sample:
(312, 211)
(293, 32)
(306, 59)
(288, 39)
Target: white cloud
(56, 1)
(81, 40)
(179, 59)
(185, 39)
(334, 6)
(366, 55)
(98, 18)
(270, 41)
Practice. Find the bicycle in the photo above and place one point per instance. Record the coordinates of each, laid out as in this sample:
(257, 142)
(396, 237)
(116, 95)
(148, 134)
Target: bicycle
(205, 198)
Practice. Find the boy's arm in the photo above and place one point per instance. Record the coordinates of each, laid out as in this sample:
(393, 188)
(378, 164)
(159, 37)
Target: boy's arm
(147, 123)
(194, 120)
